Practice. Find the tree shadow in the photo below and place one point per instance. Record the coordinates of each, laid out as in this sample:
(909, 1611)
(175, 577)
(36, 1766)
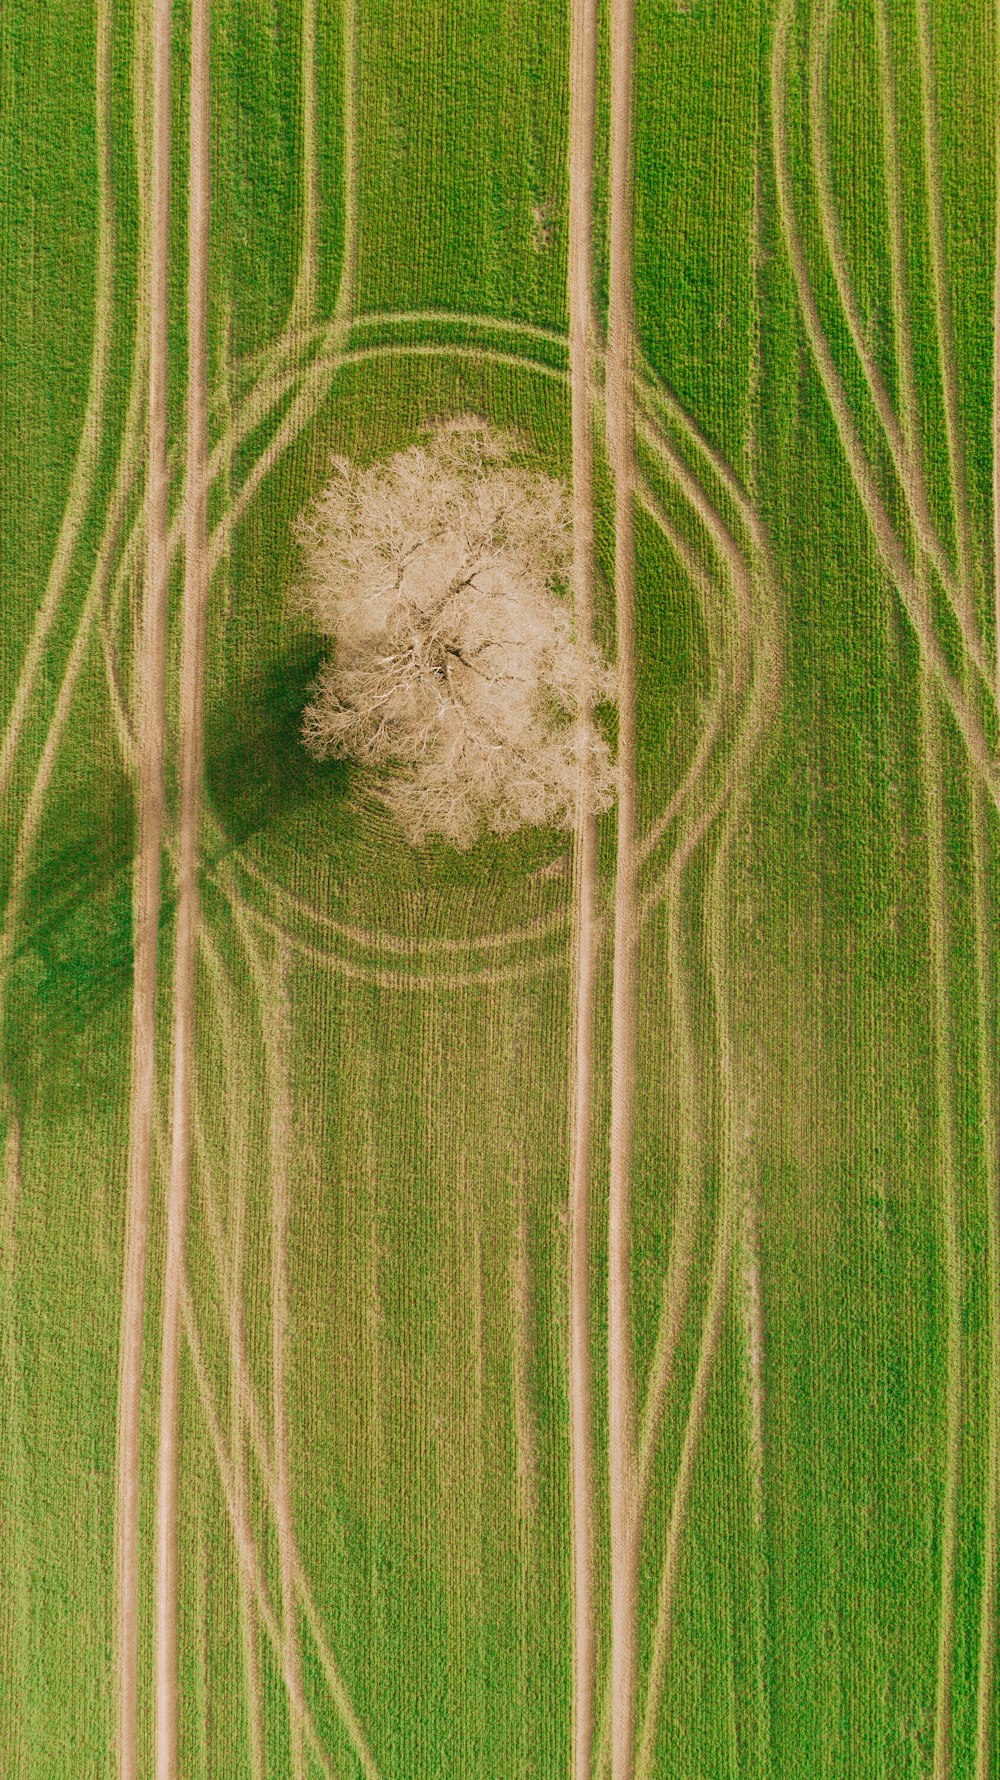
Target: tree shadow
(257, 771)
(74, 953)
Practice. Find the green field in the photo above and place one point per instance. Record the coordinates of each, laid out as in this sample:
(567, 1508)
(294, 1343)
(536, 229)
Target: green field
(359, 1535)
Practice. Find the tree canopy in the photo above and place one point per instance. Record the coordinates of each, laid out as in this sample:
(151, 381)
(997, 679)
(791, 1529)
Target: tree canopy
(441, 576)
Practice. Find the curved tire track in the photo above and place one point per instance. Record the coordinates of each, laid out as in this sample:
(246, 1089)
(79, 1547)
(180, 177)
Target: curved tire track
(84, 473)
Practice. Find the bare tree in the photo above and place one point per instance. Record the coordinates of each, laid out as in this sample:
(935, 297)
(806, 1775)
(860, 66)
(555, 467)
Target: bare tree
(440, 575)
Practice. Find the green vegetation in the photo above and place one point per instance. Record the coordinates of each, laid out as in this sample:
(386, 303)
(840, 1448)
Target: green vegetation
(377, 1240)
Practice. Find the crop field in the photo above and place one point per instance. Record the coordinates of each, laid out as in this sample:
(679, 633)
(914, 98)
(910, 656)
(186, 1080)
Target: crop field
(525, 1308)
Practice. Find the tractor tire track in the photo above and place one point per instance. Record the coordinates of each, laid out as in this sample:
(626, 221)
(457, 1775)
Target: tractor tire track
(904, 452)
(762, 711)
(938, 846)
(316, 377)
(947, 357)
(146, 894)
(34, 806)
(753, 1320)
(250, 1561)
(663, 1631)
(390, 979)
(15, 1593)
(986, 982)
(759, 715)
(995, 416)
(620, 414)
(889, 547)
(934, 803)
(582, 332)
(191, 746)
(953, 1269)
(405, 947)
(259, 1440)
(755, 672)
(722, 692)
(986, 1000)
(31, 819)
(198, 567)
(304, 296)
(84, 472)
(677, 1284)
(236, 1143)
(272, 1002)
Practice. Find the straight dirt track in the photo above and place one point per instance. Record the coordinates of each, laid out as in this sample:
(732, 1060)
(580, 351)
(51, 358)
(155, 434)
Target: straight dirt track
(622, 453)
(583, 82)
(191, 743)
(152, 663)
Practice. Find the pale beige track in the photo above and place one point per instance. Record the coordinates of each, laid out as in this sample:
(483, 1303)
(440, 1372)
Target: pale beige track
(965, 714)
(191, 747)
(146, 902)
(582, 346)
(990, 1603)
(619, 397)
(92, 430)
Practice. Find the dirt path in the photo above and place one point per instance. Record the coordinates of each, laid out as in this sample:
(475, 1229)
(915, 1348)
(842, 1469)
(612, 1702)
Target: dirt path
(622, 453)
(583, 87)
(151, 675)
(185, 947)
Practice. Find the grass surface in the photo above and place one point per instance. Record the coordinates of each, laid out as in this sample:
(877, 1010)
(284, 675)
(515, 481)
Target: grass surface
(381, 1102)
